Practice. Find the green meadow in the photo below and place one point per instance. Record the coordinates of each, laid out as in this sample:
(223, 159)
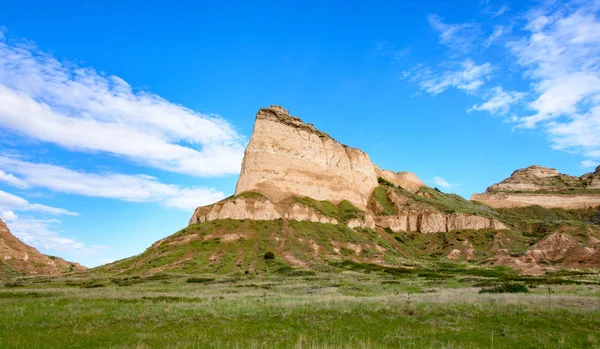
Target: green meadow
(352, 306)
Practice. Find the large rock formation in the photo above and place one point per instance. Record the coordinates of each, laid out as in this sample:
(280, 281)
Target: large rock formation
(293, 171)
(537, 185)
(287, 157)
(17, 257)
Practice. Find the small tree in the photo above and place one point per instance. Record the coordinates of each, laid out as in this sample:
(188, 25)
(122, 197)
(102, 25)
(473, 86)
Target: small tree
(269, 255)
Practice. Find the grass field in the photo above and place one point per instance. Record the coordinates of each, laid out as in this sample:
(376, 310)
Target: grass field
(354, 306)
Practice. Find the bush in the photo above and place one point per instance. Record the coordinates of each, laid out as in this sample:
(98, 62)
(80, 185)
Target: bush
(199, 280)
(507, 287)
(269, 255)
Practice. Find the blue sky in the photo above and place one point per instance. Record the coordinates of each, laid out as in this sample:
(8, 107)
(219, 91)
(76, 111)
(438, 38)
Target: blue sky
(116, 120)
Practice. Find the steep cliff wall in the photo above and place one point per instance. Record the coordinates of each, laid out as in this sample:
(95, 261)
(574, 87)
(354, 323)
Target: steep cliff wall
(537, 185)
(287, 157)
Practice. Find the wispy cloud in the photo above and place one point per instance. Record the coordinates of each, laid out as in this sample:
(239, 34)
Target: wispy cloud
(12, 180)
(466, 75)
(81, 109)
(499, 31)
(556, 47)
(498, 101)
(133, 188)
(440, 182)
(460, 37)
(589, 163)
(560, 53)
(10, 202)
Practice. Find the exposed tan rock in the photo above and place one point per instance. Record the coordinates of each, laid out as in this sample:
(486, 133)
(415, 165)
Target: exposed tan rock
(237, 208)
(432, 222)
(23, 258)
(508, 200)
(287, 157)
(537, 185)
(435, 222)
(461, 221)
(405, 180)
(299, 212)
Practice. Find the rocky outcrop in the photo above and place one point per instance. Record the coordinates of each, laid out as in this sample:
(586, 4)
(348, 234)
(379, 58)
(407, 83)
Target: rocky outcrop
(21, 258)
(237, 208)
(287, 157)
(405, 180)
(537, 185)
(434, 222)
(556, 250)
(510, 200)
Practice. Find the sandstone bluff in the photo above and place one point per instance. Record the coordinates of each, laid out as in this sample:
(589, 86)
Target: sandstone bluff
(313, 203)
(288, 159)
(546, 187)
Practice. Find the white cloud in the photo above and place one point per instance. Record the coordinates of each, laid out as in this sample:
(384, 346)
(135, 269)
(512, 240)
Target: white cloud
(498, 101)
(459, 37)
(498, 32)
(560, 53)
(16, 203)
(41, 233)
(589, 163)
(468, 77)
(133, 188)
(80, 109)
(440, 182)
(12, 180)
(8, 216)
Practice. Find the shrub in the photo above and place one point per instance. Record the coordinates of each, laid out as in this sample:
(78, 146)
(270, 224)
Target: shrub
(507, 287)
(385, 182)
(269, 255)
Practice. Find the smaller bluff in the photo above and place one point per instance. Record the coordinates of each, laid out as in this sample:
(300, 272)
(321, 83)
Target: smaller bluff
(287, 157)
(538, 185)
(16, 256)
(405, 180)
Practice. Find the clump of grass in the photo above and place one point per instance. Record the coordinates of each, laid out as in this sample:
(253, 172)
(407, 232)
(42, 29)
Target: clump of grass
(385, 182)
(199, 280)
(507, 287)
(381, 196)
(343, 211)
(14, 284)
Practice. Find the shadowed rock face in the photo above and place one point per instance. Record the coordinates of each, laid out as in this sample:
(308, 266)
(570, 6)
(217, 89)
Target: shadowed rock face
(22, 258)
(537, 185)
(287, 157)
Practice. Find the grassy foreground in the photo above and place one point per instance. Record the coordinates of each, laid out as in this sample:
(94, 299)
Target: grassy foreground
(341, 309)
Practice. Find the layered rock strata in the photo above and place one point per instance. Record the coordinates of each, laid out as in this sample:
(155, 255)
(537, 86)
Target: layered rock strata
(287, 157)
(537, 185)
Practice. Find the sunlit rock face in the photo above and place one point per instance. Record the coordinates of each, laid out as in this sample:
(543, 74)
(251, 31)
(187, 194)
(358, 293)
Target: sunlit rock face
(287, 157)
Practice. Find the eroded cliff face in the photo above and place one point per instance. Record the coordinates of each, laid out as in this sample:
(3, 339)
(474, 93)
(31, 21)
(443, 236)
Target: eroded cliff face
(546, 187)
(22, 258)
(287, 157)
